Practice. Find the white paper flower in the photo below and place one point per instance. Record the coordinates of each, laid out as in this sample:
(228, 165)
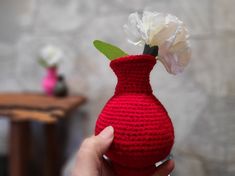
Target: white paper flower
(165, 31)
(51, 55)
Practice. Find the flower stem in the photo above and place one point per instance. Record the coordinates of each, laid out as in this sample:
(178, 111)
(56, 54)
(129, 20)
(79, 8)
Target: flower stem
(150, 50)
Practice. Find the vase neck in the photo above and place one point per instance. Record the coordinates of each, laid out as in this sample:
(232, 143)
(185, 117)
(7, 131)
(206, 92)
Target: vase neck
(52, 72)
(133, 73)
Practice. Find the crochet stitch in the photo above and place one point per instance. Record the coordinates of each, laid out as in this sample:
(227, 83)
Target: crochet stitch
(144, 133)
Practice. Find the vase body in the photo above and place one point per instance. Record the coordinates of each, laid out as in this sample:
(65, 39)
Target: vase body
(143, 131)
(61, 89)
(49, 81)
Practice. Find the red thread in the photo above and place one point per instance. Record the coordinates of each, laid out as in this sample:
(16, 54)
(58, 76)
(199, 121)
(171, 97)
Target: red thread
(144, 133)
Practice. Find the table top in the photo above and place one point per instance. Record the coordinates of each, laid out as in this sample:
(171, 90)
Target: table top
(37, 107)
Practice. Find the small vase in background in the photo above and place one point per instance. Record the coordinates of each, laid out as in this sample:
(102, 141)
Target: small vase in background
(50, 80)
(61, 89)
(49, 58)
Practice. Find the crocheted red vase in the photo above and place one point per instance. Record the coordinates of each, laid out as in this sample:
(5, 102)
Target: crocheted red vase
(143, 131)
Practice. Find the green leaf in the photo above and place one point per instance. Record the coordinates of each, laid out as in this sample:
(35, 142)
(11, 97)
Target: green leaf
(42, 62)
(110, 51)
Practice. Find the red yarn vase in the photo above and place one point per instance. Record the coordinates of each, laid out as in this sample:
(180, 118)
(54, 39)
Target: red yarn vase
(143, 131)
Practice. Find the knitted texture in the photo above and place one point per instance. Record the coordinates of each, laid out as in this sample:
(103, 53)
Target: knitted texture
(144, 133)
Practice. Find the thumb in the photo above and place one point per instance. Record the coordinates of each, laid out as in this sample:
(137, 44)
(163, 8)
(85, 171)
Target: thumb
(104, 139)
(88, 161)
(98, 144)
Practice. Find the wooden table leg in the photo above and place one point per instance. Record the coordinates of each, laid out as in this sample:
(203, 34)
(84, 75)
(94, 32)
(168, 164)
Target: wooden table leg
(52, 150)
(62, 139)
(19, 148)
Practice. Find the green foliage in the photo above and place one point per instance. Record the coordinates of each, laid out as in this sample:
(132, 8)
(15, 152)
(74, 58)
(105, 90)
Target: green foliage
(42, 62)
(110, 51)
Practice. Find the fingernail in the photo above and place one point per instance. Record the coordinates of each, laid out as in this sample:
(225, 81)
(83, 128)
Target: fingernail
(107, 133)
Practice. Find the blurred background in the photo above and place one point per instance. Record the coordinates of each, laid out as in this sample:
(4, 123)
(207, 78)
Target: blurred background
(200, 101)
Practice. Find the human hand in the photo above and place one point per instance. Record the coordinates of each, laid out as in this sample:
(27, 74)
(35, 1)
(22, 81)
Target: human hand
(90, 161)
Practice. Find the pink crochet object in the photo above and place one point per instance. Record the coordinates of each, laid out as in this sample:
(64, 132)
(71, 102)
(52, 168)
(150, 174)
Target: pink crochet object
(144, 133)
(50, 80)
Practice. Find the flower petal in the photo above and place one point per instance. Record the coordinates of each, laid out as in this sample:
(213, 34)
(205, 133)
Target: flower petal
(165, 31)
(182, 34)
(184, 57)
(179, 47)
(132, 30)
(174, 58)
(51, 55)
